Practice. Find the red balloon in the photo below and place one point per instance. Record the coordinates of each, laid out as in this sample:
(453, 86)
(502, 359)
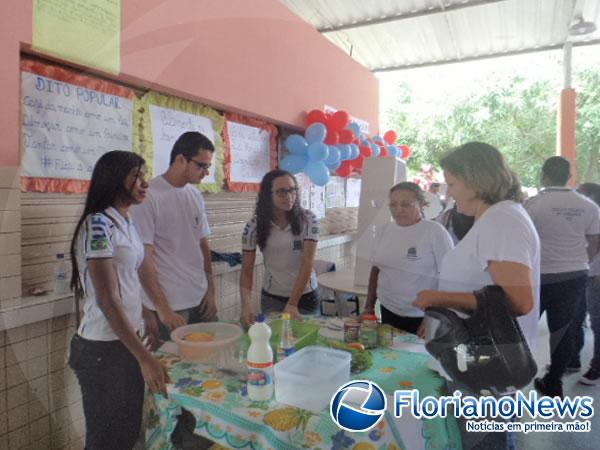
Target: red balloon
(315, 116)
(383, 151)
(346, 136)
(390, 137)
(405, 151)
(358, 162)
(332, 138)
(365, 151)
(345, 169)
(339, 120)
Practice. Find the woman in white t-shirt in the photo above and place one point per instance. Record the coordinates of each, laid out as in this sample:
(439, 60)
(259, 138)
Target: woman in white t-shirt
(502, 248)
(406, 258)
(287, 236)
(107, 354)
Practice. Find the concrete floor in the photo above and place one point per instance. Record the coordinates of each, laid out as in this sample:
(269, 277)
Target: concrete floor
(562, 441)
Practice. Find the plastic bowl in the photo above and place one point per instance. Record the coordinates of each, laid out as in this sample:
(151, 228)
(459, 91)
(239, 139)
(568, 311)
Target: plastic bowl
(220, 352)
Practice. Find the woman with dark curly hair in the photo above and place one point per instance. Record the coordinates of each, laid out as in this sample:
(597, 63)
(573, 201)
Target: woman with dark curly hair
(287, 236)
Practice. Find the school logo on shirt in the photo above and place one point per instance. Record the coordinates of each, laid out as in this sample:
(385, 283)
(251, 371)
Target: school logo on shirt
(411, 254)
(297, 244)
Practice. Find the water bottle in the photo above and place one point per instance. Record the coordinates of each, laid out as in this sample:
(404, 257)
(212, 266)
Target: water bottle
(260, 361)
(286, 341)
(61, 281)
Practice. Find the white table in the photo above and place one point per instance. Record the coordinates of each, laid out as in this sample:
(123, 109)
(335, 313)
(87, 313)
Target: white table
(341, 283)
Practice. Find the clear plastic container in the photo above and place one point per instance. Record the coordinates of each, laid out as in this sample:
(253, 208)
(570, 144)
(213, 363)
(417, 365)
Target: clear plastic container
(220, 352)
(308, 378)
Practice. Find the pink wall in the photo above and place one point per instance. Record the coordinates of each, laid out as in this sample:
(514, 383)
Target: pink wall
(253, 57)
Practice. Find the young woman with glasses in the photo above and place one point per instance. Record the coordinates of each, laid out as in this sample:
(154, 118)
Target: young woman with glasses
(287, 236)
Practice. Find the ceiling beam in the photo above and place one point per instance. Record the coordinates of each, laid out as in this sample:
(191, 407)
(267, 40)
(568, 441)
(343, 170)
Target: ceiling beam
(408, 15)
(482, 57)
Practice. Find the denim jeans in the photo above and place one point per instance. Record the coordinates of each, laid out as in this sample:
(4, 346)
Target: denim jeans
(561, 298)
(592, 307)
(308, 304)
(112, 392)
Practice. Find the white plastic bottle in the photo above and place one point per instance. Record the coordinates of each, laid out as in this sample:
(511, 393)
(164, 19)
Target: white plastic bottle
(61, 281)
(260, 361)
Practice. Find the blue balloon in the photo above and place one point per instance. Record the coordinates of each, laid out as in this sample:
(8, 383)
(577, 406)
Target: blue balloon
(355, 128)
(334, 156)
(296, 144)
(318, 172)
(345, 151)
(355, 151)
(374, 149)
(315, 133)
(317, 151)
(377, 138)
(334, 166)
(293, 163)
(392, 150)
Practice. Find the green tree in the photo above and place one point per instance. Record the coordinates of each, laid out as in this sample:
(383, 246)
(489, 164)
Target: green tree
(519, 118)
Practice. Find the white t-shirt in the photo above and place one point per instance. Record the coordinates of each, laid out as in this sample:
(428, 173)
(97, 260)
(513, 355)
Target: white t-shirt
(110, 235)
(173, 220)
(283, 254)
(409, 260)
(563, 218)
(503, 233)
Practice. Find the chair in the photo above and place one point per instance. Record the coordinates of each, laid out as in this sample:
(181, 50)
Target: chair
(328, 295)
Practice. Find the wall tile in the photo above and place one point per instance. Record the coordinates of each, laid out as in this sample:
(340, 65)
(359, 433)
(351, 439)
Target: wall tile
(17, 396)
(18, 439)
(37, 367)
(15, 375)
(18, 417)
(15, 335)
(40, 428)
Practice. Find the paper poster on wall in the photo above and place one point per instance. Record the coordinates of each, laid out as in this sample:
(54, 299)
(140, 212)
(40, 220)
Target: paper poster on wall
(304, 190)
(159, 121)
(335, 193)
(67, 127)
(87, 32)
(250, 149)
(317, 201)
(352, 192)
(167, 126)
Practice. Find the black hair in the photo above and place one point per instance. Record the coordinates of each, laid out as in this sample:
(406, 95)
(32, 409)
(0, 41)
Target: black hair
(590, 190)
(557, 169)
(189, 145)
(107, 186)
(484, 169)
(411, 187)
(264, 208)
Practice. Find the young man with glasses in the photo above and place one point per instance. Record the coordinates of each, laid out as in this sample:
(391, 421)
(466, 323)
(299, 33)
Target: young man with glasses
(173, 226)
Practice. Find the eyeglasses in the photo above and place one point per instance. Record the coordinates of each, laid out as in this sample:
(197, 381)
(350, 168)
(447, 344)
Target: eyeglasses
(405, 205)
(285, 192)
(199, 165)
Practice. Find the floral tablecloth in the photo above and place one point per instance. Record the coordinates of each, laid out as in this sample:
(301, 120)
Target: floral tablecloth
(224, 413)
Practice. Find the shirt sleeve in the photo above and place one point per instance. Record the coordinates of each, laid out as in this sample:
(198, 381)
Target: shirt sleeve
(594, 223)
(204, 227)
(144, 219)
(311, 227)
(505, 238)
(249, 236)
(98, 237)
(442, 244)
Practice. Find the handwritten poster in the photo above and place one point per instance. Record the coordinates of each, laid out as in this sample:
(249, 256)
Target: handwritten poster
(335, 193)
(167, 126)
(304, 189)
(352, 192)
(250, 149)
(317, 201)
(66, 127)
(87, 32)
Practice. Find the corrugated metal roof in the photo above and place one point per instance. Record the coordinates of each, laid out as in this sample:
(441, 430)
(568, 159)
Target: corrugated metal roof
(395, 34)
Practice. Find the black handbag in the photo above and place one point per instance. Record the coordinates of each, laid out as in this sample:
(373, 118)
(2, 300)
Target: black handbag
(486, 353)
